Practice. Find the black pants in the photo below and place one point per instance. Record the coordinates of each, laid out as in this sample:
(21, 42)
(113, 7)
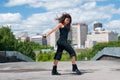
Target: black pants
(63, 45)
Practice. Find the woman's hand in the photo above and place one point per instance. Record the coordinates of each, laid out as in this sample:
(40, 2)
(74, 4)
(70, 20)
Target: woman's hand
(44, 36)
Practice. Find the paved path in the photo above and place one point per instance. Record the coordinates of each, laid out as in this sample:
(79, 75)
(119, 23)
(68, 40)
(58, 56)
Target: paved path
(92, 70)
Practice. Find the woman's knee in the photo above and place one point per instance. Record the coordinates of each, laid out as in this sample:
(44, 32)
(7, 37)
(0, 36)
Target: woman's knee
(58, 56)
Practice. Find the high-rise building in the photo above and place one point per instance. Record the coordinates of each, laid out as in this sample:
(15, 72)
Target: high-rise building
(51, 41)
(79, 33)
(100, 35)
(97, 25)
(103, 36)
(37, 38)
(23, 36)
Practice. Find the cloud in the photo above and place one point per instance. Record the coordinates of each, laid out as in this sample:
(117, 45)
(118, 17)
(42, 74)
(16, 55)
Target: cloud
(80, 10)
(109, 9)
(36, 23)
(40, 22)
(114, 24)
(10, 18)
(61, 4)
(18, 2)
(48, 4)
(93, 13)
(52, 4)
(89, 5)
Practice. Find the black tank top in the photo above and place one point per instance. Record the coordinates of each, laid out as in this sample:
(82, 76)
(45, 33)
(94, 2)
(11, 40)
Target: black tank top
(63, 33)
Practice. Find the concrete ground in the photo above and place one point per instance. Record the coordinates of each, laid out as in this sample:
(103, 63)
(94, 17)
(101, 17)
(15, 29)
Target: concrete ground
(92, 70)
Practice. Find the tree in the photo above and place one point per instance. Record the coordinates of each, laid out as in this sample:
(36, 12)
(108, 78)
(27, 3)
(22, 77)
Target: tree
(8, 42)
(6, 38)
(118, 37)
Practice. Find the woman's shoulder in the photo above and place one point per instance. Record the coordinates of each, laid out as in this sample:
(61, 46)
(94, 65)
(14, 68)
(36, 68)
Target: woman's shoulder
(60, 25)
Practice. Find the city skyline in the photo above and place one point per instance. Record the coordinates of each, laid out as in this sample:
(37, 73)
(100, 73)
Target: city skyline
(38, 16)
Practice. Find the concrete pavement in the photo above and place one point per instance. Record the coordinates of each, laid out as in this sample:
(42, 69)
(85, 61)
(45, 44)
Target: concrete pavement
(92, 70)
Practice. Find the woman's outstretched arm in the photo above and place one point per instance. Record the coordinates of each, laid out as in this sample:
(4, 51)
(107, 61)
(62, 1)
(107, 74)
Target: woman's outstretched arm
(54, 29)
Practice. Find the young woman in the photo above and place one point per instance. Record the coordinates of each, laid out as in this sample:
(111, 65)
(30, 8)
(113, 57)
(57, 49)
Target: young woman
(62, 44)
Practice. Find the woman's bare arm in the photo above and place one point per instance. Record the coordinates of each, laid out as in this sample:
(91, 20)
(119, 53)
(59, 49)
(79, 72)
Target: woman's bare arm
(54, 29)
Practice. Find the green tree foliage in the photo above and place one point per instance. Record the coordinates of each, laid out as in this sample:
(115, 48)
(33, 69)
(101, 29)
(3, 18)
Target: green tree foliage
(118, 37)
(49, 56)
(90, 53)
(85, 54)
(25, 48)
(9, 43)
(7, 39)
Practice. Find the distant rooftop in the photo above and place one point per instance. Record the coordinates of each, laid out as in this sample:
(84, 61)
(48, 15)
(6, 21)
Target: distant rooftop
(111, 52)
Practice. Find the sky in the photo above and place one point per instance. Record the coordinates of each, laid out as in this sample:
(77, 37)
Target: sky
(38, 16)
